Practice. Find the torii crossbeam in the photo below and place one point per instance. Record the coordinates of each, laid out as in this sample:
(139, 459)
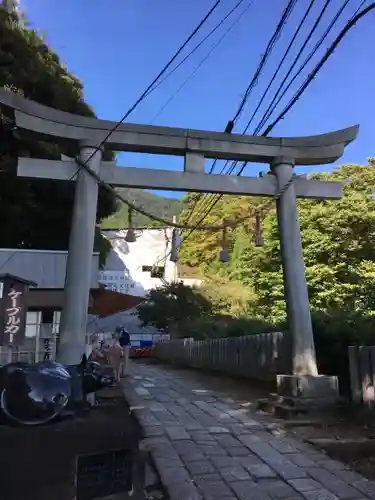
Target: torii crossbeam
(194, 145)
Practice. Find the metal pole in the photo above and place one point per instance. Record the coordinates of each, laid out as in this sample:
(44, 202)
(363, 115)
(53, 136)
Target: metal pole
(78, 268)
(295, 285)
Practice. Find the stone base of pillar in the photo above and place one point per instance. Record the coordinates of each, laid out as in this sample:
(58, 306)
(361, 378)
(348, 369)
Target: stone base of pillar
(301, 394)
(319, 390)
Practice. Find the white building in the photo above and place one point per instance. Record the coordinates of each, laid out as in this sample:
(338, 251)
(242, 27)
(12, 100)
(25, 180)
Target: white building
(132, 269)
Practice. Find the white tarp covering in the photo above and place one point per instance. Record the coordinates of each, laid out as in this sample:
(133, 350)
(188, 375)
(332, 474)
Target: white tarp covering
(126, 271)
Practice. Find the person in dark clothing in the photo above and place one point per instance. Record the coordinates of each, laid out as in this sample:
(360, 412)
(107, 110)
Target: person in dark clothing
(124, 338)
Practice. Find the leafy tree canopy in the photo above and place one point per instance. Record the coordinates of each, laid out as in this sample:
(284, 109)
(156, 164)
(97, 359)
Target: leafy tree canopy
(33, 213)
(338, 241)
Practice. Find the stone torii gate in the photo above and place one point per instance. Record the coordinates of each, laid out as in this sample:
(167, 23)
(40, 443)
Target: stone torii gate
(194, 145)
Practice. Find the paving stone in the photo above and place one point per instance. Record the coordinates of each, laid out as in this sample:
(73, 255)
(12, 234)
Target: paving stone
(246, 490)
(157, 407)
(141, 391)
(278, 489)
(167, 462)
(249, 460)
(301, 460)
(212, 450)
(283, 446)
(223, 461)
(153, 430)
(288, 470)
(348, 476)
(336, 486)
(147, 419)
(170, 475)
(218, 430)
(365, 486)
(183, 491)
(227, 441)
(189, 451)
(305, 484)
(322, 494)
(164, 451)
(201, 436)
(200, 467)
(238, 429)
(259, 471)
(264, 451)
(253, 424)
(177, 433)
(238, 451)
(235, 473)
(213, 490)
(194, 426)
(212, 477)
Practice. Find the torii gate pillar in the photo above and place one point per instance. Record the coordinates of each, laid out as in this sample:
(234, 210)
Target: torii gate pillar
(304, 384)
(78, 267)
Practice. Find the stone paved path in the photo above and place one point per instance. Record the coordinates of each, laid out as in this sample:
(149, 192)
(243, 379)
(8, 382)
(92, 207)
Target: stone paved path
(206, 445)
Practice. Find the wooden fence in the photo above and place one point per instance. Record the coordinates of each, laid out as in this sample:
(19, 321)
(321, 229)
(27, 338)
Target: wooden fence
(362, 375)
(260, 356)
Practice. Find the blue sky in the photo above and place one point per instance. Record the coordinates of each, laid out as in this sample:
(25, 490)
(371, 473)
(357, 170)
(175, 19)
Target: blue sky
(117, 47)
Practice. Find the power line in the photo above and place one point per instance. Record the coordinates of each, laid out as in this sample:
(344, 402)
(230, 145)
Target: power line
(351, 23)
(273, 105)
(194, 49)
(144, 94)
(212, 197)
(271, 44)
(310, 78)
(269, 48)
(213, 48)
(265, 116)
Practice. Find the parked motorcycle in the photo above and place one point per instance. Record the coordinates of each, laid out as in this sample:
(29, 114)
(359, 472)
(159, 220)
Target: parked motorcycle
(37, 393)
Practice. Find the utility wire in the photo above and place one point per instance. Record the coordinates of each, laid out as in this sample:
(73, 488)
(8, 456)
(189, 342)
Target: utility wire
(308, 81)
(269, 48)
(265, 116)
(272, 106)
(194, 49)
(209, 199)
(271, 44)
(351, 23)
(160, 74)
(213, 48)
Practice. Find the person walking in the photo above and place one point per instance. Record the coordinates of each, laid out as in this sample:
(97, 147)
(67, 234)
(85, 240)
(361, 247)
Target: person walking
(115, 356)
(124, 341)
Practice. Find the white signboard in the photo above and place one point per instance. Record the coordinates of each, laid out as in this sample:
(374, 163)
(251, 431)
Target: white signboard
(117, 281)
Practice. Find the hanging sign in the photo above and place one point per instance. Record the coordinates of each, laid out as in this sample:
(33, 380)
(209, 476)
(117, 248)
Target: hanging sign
(13, 309)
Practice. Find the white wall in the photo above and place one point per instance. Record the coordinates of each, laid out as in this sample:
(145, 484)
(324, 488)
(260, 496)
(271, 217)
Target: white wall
(123, 269)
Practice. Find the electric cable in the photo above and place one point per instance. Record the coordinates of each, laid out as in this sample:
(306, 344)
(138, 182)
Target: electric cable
(351, 23)
(302, 89)
(269, 48)
(308, 59)
(213, 48)
(161, 73)
(194, 49)
(277, 97)
(210, 198)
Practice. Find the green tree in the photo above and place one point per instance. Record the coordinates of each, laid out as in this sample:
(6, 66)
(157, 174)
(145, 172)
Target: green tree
(338, 242)
(37, 214)
(173, 308)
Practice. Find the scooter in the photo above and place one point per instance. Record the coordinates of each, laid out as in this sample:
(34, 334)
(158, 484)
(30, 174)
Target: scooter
(33, 394)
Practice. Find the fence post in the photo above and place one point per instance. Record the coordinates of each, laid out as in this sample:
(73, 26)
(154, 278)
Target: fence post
(355, 384)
